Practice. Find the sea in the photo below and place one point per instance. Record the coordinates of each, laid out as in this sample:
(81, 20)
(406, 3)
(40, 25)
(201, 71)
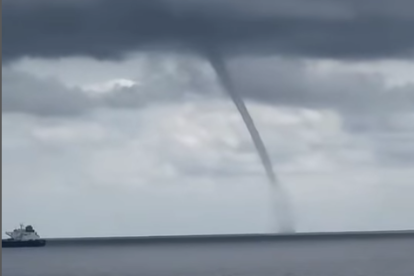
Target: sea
(333, 256)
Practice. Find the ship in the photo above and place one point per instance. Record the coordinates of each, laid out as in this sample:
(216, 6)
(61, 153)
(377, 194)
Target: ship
(25, 236)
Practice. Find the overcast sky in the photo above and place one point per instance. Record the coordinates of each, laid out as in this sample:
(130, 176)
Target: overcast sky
(114, 124)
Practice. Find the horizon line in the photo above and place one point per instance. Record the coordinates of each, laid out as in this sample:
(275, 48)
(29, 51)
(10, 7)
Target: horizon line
(248, 237)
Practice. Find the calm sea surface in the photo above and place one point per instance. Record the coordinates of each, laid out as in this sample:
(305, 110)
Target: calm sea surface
(342, 257)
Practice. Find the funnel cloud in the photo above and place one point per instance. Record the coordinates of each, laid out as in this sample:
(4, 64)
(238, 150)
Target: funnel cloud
(282, 208)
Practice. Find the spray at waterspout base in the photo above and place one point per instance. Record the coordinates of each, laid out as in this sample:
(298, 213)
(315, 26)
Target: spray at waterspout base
(281, 209)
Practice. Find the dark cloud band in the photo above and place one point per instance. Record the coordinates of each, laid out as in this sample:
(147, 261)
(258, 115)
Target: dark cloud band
(108, 29)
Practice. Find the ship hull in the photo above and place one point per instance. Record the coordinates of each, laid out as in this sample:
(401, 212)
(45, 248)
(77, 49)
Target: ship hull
(17, 244)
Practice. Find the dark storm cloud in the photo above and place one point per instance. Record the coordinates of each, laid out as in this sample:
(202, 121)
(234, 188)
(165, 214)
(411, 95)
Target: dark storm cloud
(111, 28)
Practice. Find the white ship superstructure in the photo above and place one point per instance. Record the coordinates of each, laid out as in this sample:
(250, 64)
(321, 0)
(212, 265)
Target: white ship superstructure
(23, 234)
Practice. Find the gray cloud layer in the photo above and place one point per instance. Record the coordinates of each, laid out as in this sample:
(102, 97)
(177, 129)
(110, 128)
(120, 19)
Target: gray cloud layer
(26, 94)
(109, 29)
(286, 83)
